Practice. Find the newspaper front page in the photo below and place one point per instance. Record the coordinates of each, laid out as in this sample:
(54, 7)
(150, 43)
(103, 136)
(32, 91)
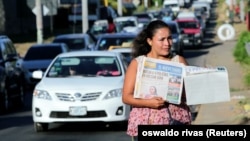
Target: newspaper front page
(165, 77)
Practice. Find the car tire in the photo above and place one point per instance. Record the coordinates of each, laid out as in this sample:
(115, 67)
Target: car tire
(40, 127)
(20, 99)
(4, 105)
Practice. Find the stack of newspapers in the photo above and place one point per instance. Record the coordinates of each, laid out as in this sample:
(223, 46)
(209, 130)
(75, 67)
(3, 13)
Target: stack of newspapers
(201, 85)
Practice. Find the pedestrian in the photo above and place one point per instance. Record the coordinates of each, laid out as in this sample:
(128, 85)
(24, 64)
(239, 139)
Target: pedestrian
(111, 25)
(155, 41)
(237, 11)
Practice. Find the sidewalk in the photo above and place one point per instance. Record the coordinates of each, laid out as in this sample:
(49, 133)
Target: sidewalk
(231, 112)
(228, 113)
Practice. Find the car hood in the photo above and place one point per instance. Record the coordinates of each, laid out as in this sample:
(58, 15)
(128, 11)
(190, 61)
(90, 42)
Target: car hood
(36, 64)
(80, 83)
(191, 30)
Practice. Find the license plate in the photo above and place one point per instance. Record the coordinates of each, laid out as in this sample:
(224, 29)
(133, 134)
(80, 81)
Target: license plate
(185, 41)
(78, 111)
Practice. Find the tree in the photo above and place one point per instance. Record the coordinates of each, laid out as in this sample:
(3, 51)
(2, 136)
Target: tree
(2, 17)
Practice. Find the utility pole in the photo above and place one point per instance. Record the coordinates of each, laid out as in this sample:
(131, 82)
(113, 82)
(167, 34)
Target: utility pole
(145, 5)
(119, 7)
(85, 19)
(39, 22)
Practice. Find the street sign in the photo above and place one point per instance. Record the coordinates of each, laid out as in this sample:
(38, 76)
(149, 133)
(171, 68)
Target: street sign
(51, 5)
(45, 10)
(136, 2)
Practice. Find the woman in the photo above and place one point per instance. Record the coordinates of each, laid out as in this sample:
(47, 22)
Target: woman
(155, 41)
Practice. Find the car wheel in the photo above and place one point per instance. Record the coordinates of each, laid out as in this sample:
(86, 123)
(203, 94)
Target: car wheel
(40, 127)
(4, 106)
(21, 96)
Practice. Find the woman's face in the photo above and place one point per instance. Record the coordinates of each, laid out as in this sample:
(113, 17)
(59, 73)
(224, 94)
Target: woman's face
(152, 90)
(161, 42)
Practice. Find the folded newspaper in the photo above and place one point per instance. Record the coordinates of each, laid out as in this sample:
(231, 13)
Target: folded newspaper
(202, 85)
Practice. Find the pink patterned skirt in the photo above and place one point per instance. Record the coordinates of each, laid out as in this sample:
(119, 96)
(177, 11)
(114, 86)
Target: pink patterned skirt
(148, 116)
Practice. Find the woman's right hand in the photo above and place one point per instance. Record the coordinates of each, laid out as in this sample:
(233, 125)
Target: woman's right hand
(156, 102)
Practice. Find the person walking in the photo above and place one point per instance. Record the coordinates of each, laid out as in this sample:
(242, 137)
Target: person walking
(155, 41)
(111, 25)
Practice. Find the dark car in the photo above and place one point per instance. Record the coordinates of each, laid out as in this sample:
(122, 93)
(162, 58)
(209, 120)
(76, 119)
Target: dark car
(38, 57)
(177, 37)
(12, 78)
(104, 41)
(79, 41)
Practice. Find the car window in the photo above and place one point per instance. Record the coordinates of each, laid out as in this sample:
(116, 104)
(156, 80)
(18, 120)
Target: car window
(188, 25)
(73, 43)
(42, 53)
(88, 66)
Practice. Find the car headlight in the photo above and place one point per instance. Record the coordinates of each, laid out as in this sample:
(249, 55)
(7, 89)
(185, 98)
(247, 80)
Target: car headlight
(113, 93)
(40, 94)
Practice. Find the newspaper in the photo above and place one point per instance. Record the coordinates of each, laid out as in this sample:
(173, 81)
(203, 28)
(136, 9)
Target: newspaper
(206, 85)
(164, 76)
(166, 79)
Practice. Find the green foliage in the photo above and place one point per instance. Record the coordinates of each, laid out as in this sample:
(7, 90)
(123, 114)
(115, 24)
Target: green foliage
(247, 79)
(240, 52)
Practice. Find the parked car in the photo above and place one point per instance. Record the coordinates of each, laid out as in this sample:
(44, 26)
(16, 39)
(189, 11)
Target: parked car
(38, 57)
(11, 77)
(86, 97)
(104, 41)
(77, 41)
(177, 47)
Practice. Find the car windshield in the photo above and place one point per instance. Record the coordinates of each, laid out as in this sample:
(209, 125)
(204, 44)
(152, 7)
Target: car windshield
(73, 43)
(188, 25)
(123, 24)
(105, 43)
(42, 53)
(87, 66)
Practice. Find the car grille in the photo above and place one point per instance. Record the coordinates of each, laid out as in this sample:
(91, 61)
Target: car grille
(82, 97)
(90, 114)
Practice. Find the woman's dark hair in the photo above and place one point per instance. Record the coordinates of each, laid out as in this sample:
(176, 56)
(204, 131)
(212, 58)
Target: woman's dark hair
(140, 45)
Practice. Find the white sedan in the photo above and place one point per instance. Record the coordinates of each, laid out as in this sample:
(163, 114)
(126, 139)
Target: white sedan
(92, 94)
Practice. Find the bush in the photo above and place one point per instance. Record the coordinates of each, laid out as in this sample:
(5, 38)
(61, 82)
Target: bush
(241, 54)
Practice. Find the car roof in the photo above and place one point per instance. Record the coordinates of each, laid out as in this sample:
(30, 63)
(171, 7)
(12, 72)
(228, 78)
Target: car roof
(74, 35)
(47, 44)
(170, 22)
(120, 34)
(186, 14)
(122, 49)
(89, 53)
(125, 18)
(186, 19)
